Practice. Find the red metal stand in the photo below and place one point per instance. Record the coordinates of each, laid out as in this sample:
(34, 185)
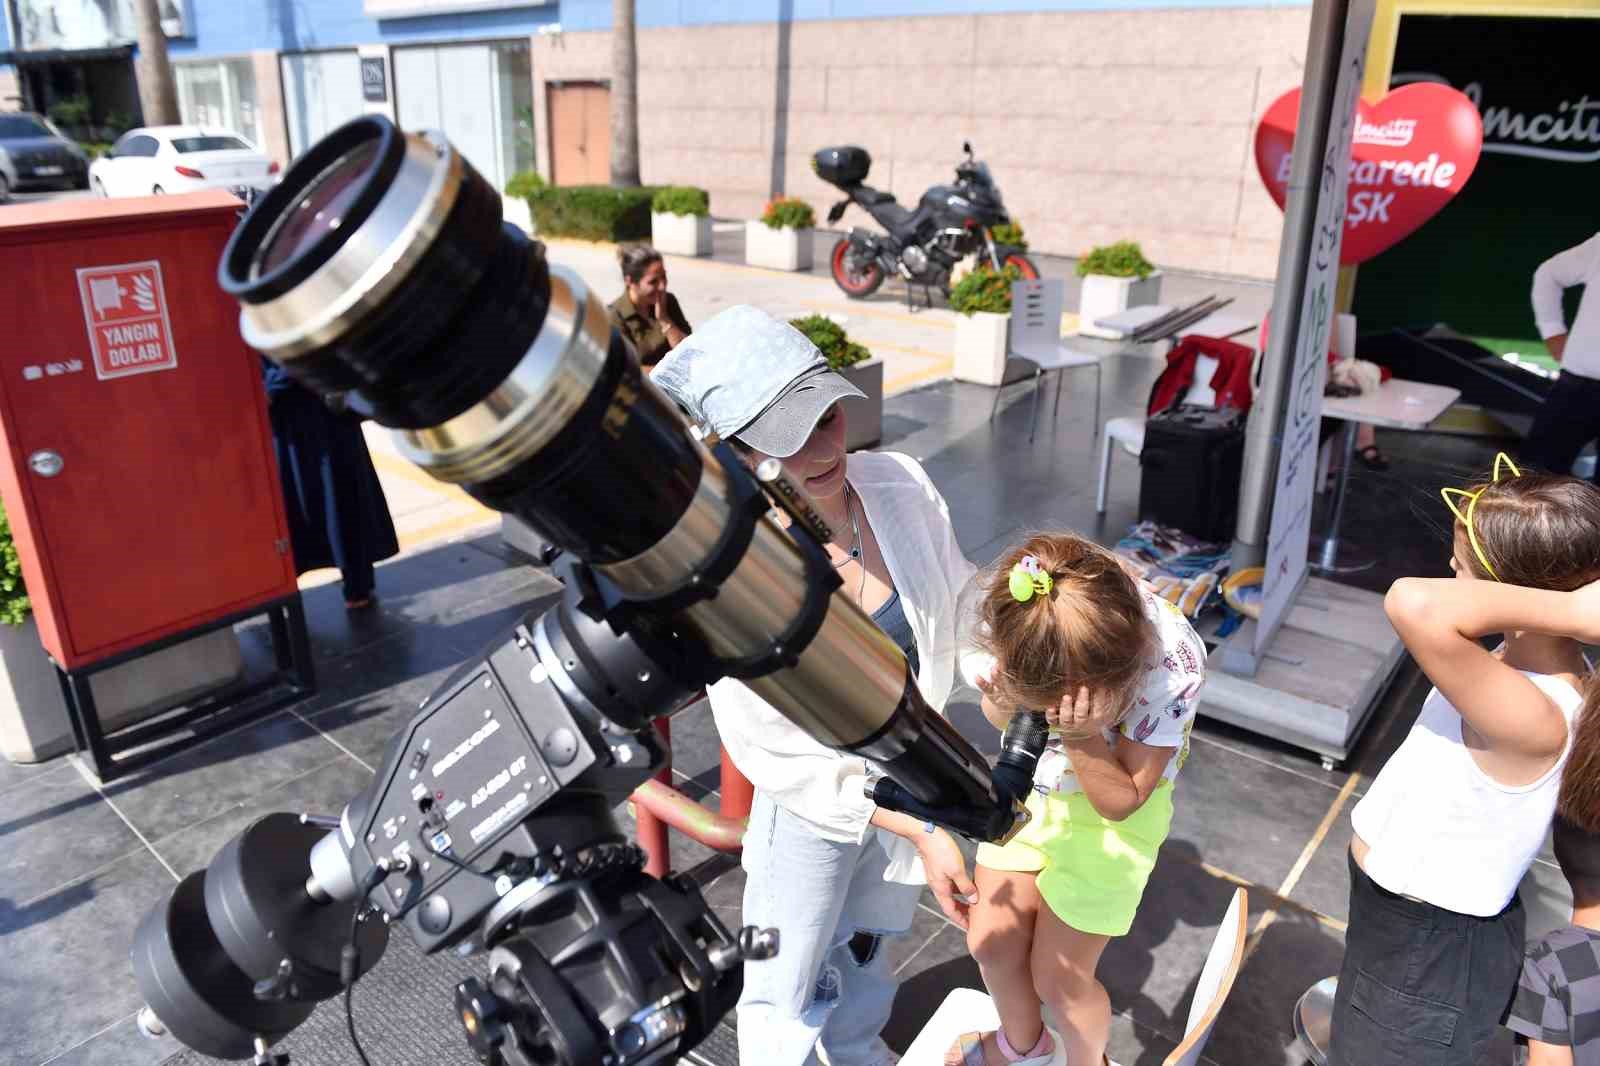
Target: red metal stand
(657, 807)
(651, 827)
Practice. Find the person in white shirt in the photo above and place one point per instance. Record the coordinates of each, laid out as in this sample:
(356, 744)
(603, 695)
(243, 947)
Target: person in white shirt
(834, 874)
(1455, 817)
(1569, 418)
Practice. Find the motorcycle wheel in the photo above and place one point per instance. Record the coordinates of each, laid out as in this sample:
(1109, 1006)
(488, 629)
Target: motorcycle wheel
(856, 284)
(1024, 265)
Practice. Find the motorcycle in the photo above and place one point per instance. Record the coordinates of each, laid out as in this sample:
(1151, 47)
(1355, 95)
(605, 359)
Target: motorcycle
(922, 246)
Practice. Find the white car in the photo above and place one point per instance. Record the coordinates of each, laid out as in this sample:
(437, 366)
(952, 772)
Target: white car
(167, 159)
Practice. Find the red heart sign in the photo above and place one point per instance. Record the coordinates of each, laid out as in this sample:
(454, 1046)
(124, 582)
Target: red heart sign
(1412, 152)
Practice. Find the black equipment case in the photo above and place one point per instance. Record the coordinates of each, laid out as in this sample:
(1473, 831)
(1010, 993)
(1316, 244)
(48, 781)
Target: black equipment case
(1192, 460)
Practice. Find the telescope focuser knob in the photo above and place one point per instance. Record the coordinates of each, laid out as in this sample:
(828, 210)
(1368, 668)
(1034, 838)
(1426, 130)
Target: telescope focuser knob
(483, 1015)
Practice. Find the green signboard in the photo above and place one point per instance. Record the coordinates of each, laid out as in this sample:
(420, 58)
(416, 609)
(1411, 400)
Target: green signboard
(1536, 190)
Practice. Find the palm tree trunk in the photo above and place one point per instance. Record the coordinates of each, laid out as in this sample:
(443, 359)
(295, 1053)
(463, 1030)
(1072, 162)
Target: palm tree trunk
(624, 96)
(158, 94)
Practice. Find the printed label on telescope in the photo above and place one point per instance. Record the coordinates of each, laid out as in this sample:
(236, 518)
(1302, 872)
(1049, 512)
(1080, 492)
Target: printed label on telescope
(485, 828)
(466, 747)
(125, 311)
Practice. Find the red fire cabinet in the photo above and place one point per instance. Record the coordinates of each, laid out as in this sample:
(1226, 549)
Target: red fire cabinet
(137, 466)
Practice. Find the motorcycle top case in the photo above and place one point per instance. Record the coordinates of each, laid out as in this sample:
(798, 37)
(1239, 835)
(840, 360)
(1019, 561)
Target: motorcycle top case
(1192, 459)
(844, 165)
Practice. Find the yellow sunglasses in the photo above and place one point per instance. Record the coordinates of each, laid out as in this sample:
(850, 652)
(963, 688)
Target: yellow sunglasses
(1465, 518)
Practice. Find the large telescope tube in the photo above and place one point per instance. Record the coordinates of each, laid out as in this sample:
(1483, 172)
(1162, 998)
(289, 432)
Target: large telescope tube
(380, 267)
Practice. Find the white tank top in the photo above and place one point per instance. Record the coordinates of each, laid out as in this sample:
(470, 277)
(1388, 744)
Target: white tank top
(1441, 830)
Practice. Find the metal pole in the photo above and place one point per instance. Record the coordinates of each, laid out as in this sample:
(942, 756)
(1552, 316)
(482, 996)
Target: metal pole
(1264, 430)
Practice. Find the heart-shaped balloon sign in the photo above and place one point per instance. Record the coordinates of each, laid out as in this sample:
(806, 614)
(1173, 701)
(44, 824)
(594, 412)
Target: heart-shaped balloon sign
(1412, 152)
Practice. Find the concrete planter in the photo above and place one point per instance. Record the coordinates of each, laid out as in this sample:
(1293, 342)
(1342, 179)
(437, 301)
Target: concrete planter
(33, 715)
(516, 211)
(1103, 296)
(681, 234)
(777, 249)
(863, 416)
(982, 340)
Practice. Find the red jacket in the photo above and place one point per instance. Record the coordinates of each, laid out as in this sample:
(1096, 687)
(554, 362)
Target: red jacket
(1230, 381)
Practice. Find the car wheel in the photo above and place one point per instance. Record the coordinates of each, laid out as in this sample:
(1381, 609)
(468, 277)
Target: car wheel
(100, 189)
(158, 191)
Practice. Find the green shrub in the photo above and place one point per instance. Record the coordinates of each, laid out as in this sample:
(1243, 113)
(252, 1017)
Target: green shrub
(71, 113)
(985, 289)
(524, 184)
(682, 200)
(1010, 233)
(14, 606)
(94, 149)
(831, 339)
(592, 212)
(788, 213)
(1120, 260)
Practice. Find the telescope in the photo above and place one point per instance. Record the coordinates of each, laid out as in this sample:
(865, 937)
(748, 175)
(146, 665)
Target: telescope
(380, 267)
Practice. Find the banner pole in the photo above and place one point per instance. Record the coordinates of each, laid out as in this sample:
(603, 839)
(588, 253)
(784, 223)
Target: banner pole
(1264, 430)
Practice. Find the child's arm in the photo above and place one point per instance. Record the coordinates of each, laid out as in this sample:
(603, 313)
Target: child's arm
(1440, 620)
(1542, 1054)
(1118, 782)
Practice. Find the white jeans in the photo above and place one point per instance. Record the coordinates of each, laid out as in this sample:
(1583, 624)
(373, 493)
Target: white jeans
(817, 995)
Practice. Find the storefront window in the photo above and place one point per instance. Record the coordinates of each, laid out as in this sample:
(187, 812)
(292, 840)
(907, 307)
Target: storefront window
(220, 93)
(479, 95)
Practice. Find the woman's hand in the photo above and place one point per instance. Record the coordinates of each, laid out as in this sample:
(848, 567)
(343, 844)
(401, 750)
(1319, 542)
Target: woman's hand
(1084, 713)
(946, 868)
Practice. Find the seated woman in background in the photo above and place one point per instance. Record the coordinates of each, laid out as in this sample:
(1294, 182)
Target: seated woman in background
(646, 313)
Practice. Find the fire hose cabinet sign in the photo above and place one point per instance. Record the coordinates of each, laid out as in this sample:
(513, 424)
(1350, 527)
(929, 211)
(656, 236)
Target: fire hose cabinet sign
(137, 467)
(125, 310)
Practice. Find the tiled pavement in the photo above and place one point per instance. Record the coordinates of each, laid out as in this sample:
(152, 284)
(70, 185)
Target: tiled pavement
(79, 865)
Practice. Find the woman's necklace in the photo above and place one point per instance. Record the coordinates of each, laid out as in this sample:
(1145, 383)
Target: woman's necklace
(855, 544)
(855, 532)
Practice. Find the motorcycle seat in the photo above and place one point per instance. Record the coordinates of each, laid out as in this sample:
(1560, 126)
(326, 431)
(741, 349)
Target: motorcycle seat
(870, 197)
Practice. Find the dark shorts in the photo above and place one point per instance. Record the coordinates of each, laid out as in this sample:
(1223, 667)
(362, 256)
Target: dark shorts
(1420, 985)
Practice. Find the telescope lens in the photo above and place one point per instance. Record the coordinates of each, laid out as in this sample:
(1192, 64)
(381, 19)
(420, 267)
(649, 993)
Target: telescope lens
(380, 267)
(320, 211)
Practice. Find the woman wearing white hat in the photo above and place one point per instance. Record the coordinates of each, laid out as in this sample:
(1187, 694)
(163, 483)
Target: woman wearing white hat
(823, 864)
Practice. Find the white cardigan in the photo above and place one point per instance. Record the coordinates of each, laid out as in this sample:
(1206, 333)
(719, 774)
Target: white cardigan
(803, 776)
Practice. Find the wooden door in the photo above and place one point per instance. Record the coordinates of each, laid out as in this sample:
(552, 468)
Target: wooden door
(580, 132)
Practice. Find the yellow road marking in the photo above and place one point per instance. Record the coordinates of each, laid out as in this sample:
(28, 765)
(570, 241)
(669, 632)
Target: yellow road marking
(901, 382)
(1299, 868)
(438, 531)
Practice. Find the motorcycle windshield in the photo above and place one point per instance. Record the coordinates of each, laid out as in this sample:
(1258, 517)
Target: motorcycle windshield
(986, 179)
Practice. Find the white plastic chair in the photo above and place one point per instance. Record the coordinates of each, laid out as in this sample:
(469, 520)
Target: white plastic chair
(1036, 347)
(965, 1010)
(1216, 981)
(1127, 434)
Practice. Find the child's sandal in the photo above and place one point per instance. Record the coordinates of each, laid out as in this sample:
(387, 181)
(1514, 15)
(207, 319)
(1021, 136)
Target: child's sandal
(1041, 1054)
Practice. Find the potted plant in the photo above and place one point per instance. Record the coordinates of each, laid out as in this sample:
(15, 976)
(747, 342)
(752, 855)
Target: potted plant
(853, 362)
(522, 185)
(983, 332)
(680, 221)
(1115, 278)
(33, 716)
(781, 238)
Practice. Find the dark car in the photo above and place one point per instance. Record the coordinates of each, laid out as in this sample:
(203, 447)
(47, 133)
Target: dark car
(34, 156)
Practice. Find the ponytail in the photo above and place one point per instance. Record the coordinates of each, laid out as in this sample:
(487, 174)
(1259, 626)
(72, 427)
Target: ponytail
(1579, 800)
